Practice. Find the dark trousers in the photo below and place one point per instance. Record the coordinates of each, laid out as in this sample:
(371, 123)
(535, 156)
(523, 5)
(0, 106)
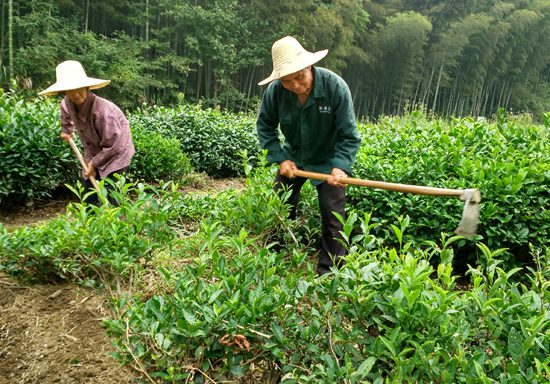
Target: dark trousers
(331, 199)
(93, 199)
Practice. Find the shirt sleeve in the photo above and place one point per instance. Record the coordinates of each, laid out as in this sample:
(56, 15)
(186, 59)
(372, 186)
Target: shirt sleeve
(348, 138)
(267, 127)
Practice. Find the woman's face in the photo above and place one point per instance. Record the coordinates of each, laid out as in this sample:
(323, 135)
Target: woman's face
(77, 96)
(299, 82)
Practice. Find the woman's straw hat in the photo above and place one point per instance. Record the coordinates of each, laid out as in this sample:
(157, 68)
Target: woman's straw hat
(70, 75)
(289, 56)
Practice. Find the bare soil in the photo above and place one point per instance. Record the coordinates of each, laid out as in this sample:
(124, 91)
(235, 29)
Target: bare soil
(54, 333)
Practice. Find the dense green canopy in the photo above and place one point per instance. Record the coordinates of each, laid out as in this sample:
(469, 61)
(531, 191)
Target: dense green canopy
(459, 57)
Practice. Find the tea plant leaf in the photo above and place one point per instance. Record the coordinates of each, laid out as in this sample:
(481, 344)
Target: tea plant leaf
(214, 296)
(278, 332)
(189, 317)
(515, 341)
(389, 345)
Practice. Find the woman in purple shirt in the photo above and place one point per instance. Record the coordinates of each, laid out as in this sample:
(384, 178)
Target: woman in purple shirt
(101, 126)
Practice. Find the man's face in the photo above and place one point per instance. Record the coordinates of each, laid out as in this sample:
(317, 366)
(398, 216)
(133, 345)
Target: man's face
(77, 96)
(299, 82)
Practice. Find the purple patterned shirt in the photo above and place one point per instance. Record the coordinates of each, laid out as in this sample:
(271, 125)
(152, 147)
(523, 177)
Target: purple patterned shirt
(103, 131)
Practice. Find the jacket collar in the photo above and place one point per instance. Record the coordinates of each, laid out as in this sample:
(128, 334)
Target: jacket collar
(318, 85)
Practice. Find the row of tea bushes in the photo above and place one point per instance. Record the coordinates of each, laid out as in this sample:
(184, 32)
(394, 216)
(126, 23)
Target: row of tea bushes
(212, 139)
(508, 160)
(33, 160)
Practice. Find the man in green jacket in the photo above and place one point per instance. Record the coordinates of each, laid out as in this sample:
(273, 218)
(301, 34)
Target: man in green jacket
(313, 108)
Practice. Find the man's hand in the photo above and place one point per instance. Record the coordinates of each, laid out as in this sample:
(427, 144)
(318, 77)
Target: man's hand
(66, 136)
(287, 168)
(91, 170)
(335, 177)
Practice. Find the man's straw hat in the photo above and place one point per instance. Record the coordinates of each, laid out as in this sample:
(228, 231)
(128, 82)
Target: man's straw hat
(70, 75)
(289, 56)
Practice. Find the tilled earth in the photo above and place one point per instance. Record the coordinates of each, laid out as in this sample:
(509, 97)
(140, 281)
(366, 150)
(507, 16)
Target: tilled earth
(54, 334)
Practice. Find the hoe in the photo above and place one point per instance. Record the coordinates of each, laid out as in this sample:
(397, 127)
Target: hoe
(85, 166)
(471, 197)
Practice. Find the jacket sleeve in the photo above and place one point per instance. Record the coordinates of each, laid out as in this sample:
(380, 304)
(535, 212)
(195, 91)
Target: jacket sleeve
(267, 126)
(348, 138)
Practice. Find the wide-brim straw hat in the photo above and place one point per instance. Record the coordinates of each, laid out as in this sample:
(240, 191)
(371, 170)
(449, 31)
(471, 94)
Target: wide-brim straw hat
(289, 56)
(70, 75)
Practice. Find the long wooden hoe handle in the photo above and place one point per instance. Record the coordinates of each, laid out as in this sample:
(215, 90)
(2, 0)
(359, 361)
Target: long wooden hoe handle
(406, 188)
(84, 165)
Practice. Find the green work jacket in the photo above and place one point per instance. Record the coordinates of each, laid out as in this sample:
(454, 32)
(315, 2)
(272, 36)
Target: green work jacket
(318, 136)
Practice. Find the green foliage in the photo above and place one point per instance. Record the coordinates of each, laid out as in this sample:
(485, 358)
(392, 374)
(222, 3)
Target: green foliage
(158, 157)
(33, 159)
(94, 245)
(211, 139)
(238, 309)
(506, 160)
(457, 58)
(229, 306)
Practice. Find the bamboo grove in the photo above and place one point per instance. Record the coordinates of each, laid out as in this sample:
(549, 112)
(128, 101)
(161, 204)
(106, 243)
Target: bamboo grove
(461, 57)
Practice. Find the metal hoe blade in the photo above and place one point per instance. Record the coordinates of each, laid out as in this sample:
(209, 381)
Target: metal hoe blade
(470, 215)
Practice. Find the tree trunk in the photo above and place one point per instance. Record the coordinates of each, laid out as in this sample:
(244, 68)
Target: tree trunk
(249, 93)
(87, 16)
(198, 84)
(146, 20)
(2, 34)
(508, 98)
(207, 79)
(427, 89)
(104, 21)
(374, 104)
(487, 95)
(501, 94)
(10, 41)
(417, 90)
(434, 104)
(401, 103)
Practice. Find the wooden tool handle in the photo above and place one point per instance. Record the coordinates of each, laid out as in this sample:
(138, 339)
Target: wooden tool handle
(83, 163)
(406, 188)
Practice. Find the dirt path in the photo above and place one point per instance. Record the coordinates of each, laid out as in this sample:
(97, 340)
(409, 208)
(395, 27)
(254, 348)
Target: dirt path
(54, 334)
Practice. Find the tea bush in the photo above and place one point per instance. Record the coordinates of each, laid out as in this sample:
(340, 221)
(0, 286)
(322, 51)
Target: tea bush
(507, 160)
(33, 159)
(158, 158)
(211, 139)
(94, 245)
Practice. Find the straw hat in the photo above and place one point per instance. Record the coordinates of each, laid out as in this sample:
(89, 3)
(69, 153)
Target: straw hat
(70, 75)
(289, 56)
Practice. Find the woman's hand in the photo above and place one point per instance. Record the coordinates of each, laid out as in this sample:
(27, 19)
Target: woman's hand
(66, 136)
(91, 170)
